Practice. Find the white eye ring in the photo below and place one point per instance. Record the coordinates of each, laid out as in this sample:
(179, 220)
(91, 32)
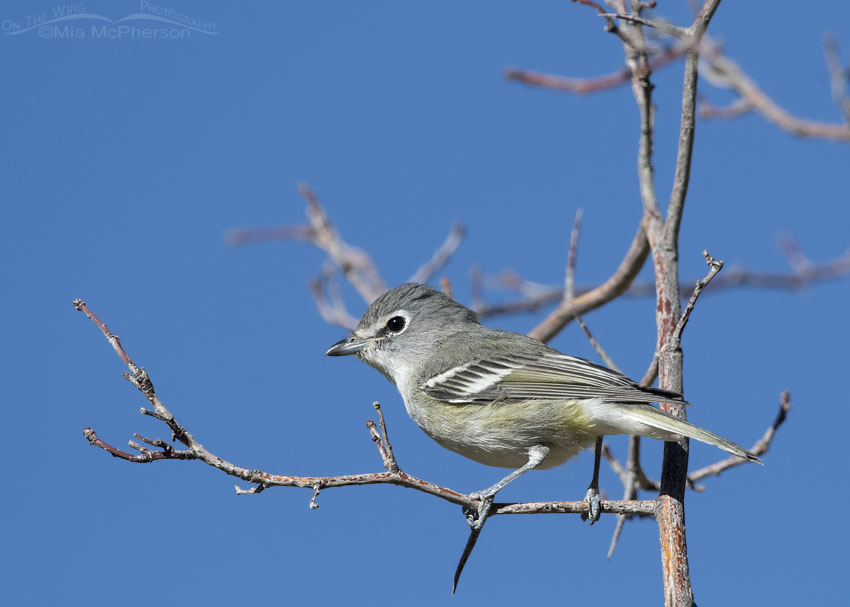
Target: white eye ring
(397, 322)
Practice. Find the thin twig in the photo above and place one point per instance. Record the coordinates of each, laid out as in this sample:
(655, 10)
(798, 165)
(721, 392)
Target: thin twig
(838, 76)
(264, 480)
(476, 289)
(609, 362)
(379, 442)
(719, 70)
(314, 500)
(714, 267)
(441, 256)
(798, 260)
(616, 284)
(727, 72)
(393, 467)
(661, 26)
(570, 275)
(662, 234)
(354, 263)
(237, 238)
(542, 295)
(759, 448)
(610, 24)
(737, 108)
(327, 295)
(446, 286)
(651, 373)
(584, 86)
(631, 477)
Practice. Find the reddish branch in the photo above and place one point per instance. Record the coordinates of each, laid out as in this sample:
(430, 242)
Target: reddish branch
(394, 476)
(730, 74)
(616, 285)
(662, 235)
(353, 263)
(721, 71)
(759, 448)
(441, 256)
(592, 85)
(536, 296)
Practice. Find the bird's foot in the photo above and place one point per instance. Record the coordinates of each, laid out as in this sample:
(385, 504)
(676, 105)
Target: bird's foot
(594, 505)
(476, 517)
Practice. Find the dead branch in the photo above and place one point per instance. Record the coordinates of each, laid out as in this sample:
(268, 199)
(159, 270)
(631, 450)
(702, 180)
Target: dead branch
(441, 256)
(719, 70)
(263, 480)
(616, 285)
(839, 76)
(329, 301)
(354, 263)
(726, 72)
(759, 448)
(582, 86)
(536, 295)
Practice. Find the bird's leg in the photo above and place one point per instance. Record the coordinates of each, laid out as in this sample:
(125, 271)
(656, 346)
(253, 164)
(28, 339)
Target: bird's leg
(476, 519)
(594, 507)
(536, 455)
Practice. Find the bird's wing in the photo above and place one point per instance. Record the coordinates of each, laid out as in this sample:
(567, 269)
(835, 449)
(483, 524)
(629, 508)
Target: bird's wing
(548, 375)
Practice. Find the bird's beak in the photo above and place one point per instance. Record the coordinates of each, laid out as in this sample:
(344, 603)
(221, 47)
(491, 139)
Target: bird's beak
(350, 345)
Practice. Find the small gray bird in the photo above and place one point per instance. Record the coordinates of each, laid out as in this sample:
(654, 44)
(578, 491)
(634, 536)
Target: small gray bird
(501, 398)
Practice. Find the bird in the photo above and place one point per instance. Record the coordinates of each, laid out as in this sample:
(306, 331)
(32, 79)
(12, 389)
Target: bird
(504, 399)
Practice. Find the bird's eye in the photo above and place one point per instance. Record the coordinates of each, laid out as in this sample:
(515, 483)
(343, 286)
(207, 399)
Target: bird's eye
(395, 324)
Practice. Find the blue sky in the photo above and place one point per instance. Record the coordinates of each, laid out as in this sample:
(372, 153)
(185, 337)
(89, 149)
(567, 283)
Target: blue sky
(126, 161)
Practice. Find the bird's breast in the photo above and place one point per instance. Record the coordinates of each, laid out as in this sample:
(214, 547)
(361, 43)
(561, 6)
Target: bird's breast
(500, 434)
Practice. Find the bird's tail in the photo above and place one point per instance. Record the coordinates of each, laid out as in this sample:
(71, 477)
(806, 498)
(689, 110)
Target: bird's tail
(657, 419)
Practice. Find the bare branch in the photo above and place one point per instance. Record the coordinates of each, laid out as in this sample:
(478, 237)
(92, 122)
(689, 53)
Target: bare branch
(610, 24)
(718, 69)
(798, 260)
(274, 234)
(634, 507)
(441, 256)
(651, 373)
(632, 478)
(354, 263)
(145, 455)
(703, 18)
(838, 76)
(592, 85)
(264, 480)
(661, 26)
(536, 296)
(714, 267)
(662, 234)
(682, 176)
(446, 286)
(759, 448)
(393, 466)
(737, 108)
(617, 284)
(609, 362)
(729, 73)
(570, 276)
(331, 307)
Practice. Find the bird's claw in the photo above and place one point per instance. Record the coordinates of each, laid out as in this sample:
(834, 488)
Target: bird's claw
(594, 505)
(476, 517)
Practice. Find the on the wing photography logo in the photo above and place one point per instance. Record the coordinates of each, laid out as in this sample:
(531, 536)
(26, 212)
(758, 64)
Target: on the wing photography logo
(76, 22)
